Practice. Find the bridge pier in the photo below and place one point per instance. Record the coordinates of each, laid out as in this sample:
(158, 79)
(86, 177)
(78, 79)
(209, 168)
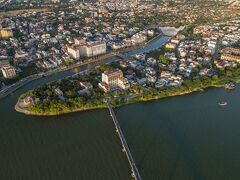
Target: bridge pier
(132, 174)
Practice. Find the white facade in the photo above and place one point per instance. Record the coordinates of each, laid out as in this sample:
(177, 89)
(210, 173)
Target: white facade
(114, 78)
(99, 48)
(86, 51)
(111, 77)
(8, 71)
(93, 49)
(138, 38)
(74, 52)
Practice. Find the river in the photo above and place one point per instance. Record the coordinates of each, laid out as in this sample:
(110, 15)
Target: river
(74, 146)
(187, 137)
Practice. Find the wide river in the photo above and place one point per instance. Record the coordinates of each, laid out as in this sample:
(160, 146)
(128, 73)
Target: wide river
(180, 138)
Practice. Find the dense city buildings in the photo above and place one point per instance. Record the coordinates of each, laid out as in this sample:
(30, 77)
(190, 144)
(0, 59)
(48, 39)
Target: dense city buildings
(82, 55)
(41, 41)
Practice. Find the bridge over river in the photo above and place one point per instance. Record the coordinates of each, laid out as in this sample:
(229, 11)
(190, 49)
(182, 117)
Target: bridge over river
(135, 173)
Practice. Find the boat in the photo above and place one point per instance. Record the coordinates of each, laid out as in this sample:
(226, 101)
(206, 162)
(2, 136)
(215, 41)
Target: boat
(230, 86)
(222, 103)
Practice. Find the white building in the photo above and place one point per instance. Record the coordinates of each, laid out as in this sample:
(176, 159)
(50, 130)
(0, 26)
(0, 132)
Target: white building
(114, 78)
(55, 1)
(93, 49)
(79, 41)
(98, 48)
(8, 71)
(74, 51)
(138, 38)
(86, 51)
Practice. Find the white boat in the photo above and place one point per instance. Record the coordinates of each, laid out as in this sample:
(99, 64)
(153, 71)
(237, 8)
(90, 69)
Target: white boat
(222, 103)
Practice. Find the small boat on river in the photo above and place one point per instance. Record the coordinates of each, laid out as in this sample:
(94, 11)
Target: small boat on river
(222, 103)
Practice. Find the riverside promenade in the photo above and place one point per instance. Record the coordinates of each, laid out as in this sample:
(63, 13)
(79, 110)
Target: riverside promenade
(135, 173)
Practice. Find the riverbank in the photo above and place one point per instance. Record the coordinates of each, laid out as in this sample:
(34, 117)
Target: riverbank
(144, 97)
(19, 108)
(180, 91)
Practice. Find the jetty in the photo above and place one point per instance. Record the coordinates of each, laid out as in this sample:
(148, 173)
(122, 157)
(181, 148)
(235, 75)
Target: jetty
(125, 148)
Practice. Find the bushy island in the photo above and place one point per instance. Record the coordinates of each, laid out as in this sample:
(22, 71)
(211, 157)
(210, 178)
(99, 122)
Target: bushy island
(81, 92)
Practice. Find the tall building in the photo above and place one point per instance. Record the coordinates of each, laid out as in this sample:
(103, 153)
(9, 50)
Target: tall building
(93, 49)
(6, 33)
(114, 78)
(55, 1)
(74, 51)
(89, 49)
(86, 50)
(79, 41)
(8, 72)
(98, 48)
(111, 77)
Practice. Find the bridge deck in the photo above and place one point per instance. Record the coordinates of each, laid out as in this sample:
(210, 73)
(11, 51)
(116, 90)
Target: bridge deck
(124, 143)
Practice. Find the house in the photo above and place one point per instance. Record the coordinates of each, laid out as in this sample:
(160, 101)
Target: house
(6, 33)
(86, 85)
(124, 64)
(170, 46)
(104, 86)
(8, 71)
(151, 78)
(58, 92)
(21, 54)
(27, 100)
